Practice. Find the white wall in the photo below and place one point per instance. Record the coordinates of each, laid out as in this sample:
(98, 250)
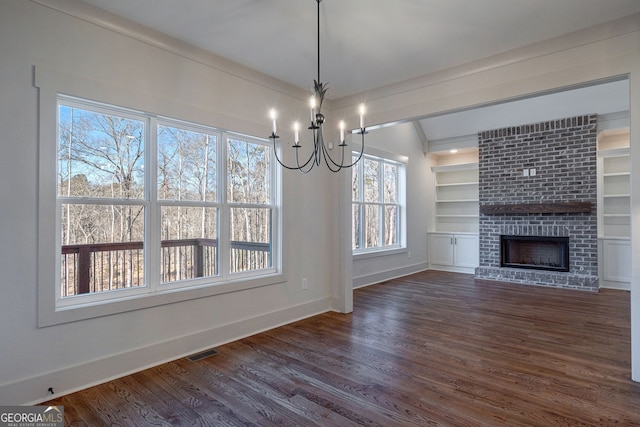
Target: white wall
(205, 89)
(401, 140)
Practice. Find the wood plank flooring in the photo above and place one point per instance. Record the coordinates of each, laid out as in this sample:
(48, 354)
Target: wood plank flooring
(428, 349)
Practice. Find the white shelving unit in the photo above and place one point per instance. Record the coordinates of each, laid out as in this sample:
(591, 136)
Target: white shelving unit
(614, 211)
(616, 193)
(456, 198)
(453, 242)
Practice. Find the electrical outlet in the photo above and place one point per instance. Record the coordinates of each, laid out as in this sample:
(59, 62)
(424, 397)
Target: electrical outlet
(409, 254)
(305, 284)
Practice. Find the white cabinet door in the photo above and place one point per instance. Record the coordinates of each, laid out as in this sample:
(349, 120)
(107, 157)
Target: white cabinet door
(616, 260)
(466, 248)
(441, 249)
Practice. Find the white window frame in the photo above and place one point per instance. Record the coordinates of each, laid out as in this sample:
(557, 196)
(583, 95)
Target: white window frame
(53, 85)
(401, 163)
(147, 287)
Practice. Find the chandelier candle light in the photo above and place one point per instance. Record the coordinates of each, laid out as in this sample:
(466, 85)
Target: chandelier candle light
(320, 151)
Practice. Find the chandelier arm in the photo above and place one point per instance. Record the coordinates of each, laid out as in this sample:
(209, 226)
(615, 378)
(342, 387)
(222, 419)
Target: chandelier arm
(362, 132)
(326, 156)
(301, 168)
(342, 165)
(275, 151)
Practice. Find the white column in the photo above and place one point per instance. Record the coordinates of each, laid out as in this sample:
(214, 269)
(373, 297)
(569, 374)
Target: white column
(344, 298)
(634, 120)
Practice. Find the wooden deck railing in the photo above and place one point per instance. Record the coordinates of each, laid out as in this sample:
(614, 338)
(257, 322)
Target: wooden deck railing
(109, 266)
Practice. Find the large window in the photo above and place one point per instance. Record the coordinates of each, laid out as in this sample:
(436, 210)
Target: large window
(147, 204)
(377, 196)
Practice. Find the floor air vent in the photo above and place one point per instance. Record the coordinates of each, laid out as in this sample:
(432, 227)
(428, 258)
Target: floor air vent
(202, 355)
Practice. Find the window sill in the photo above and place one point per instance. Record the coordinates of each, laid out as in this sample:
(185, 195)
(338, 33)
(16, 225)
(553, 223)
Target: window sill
(378, 253)
(141, 301)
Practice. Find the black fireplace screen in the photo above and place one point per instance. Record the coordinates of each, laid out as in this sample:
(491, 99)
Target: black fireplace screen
(535, 252)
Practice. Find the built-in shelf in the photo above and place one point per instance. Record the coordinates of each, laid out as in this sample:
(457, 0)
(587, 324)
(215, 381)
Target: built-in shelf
(614, 193)
(456, 198)
(616, 174)
(621, 195)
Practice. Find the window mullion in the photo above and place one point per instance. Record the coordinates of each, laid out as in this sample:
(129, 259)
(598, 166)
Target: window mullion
(224, 222)
(152, 230)
(380, 204)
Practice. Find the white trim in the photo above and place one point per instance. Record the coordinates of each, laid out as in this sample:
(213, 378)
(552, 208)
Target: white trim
(452, 269)
(386, 155)
(99, 371)
(379, 252)
(612, 122)
(458, 142)
(49, 315)
(458, 167)
(381, 276)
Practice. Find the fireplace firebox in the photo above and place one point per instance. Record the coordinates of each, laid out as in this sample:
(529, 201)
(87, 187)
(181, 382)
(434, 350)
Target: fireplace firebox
(535, 252)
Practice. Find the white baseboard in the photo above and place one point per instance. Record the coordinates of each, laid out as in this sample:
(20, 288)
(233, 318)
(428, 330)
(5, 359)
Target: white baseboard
(381, 276)
(33, 390)
(452, 269)
(609, 284)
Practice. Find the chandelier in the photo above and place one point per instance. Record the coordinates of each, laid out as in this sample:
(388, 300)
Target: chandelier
(320, 150)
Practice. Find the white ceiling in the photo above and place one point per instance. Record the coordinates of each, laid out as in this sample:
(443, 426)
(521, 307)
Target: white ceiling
(366, 44)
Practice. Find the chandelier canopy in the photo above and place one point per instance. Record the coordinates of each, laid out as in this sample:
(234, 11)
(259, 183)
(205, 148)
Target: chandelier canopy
(320, 151)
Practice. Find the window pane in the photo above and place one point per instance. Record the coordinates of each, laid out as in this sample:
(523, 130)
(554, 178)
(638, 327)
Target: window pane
(186, 165)
(250, 239)
(371, 226)
(390, 183)
(102, 248)
(99, 155)
(248, 172)
(355, 227)
(390, 225)
(189, 243)
(371, 187)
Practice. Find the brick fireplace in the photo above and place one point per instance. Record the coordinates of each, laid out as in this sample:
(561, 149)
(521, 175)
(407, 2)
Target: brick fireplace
(539, 182)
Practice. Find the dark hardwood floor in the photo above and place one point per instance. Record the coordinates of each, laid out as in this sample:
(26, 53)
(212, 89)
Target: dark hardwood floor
(432, 348)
